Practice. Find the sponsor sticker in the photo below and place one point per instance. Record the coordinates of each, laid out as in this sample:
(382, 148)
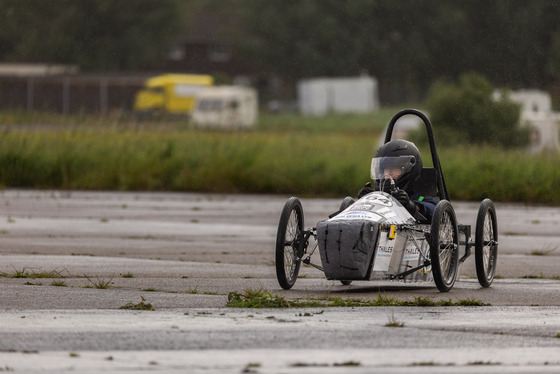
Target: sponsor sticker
(358, 215)
(363, 206)
(383, 254)
(411, 253)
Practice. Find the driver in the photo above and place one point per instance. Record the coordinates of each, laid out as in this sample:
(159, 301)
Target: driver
(394, 169)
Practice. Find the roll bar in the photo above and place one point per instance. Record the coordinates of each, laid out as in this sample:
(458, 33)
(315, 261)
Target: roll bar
(442, 189)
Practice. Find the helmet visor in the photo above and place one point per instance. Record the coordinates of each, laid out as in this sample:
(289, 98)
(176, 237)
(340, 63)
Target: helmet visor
(393, 167)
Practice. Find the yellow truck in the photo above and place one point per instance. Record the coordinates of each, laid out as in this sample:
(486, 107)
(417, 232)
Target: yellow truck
(170, 94)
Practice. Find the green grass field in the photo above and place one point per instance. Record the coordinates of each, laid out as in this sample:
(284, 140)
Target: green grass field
(286, 154)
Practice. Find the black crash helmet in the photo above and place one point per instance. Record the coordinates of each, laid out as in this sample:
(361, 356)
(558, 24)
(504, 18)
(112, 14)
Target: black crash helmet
(396, 154)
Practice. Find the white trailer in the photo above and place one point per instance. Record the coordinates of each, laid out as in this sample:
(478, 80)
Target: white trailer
(226, 107)
(339, 95)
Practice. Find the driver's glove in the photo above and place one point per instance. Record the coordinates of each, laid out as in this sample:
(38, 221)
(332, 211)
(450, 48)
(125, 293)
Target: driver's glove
(364, 191)
(402, 197)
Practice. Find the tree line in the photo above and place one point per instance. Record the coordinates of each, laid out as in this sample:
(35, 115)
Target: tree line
(406, 44)
(409, 44)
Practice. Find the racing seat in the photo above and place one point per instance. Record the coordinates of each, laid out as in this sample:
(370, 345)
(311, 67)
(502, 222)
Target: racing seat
(426, 184)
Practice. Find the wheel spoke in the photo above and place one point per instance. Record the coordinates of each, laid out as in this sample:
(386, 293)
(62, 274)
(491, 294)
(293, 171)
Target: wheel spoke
(288, 262)
(488, 242)
(446, 248)
(290, 245)
(445, 261)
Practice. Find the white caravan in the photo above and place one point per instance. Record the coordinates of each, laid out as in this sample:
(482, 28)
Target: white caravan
(226, 107)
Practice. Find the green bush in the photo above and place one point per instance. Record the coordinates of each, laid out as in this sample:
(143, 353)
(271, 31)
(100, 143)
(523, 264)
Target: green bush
(474, 173)
(468, 114)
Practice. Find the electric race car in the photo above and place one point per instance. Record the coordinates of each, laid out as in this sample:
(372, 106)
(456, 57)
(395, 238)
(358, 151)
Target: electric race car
(376, 238)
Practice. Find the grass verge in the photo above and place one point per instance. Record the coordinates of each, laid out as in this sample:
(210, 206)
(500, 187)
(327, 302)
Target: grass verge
(286, 154)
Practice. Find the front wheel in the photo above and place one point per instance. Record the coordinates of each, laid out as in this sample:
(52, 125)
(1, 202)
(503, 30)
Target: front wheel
(486, 243)
(288, 237)
(444, 246)
(348, 200)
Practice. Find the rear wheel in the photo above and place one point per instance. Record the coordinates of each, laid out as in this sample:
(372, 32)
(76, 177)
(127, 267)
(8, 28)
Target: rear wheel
(444, 246)
(486, 243)
(288, 237)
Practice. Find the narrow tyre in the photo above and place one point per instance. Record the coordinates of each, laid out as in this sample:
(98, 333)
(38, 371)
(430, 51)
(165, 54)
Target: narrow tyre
(444, 246)
(486, 243)
(288, 238)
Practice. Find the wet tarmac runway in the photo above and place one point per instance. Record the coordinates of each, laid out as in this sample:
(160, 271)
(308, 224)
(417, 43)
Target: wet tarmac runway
(184, 253)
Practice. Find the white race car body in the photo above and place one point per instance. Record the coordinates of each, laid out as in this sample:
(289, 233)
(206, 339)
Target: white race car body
(374, 238)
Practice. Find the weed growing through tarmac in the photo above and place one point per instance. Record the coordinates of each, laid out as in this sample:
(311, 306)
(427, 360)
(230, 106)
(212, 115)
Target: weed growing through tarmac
(251, 367)
(483, 363)
(304, 364)
(264, 299)
(471, 302)
(100, 283)
(545, 251)
(33, 284)
(393, 322)
(193, 291)
(336, 364)
(389, 301)
(431, 363)
(348, 363)
(256, 299)
(142, 305)
(59, 283)
(423, 363)
(32, 274)
(128, 275)
(532, 276)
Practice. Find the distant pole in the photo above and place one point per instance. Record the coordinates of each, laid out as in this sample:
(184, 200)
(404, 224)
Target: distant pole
(66, 96)
(30, 88)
